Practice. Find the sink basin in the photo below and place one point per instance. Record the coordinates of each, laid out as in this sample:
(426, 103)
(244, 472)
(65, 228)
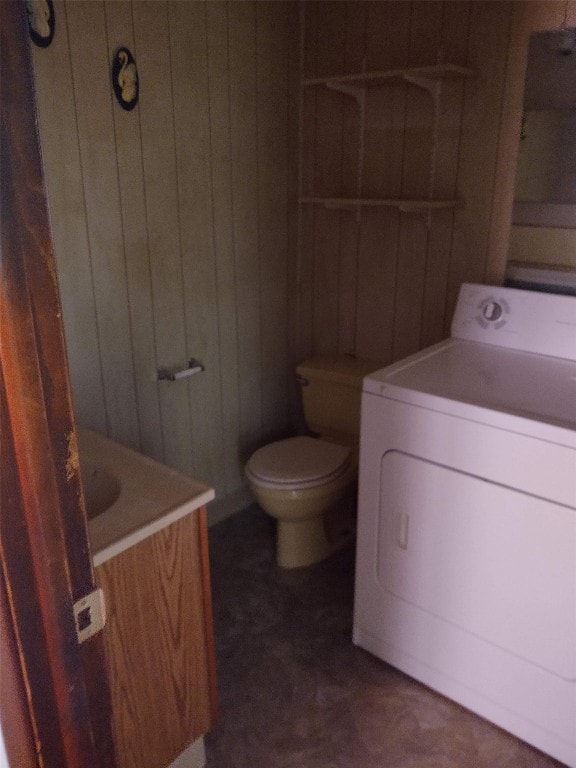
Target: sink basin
(101, 488)
(129, 496)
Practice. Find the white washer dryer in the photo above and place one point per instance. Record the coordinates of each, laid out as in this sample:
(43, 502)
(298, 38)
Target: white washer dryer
(466, 551)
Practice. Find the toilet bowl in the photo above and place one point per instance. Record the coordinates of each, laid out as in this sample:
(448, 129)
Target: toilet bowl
(298, 481)
(304, 482)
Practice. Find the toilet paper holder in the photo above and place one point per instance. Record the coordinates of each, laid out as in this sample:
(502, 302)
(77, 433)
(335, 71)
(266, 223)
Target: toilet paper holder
(172, 374)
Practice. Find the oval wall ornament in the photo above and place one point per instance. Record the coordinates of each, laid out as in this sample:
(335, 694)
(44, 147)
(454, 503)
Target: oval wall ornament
(125, 79)
(41, 21)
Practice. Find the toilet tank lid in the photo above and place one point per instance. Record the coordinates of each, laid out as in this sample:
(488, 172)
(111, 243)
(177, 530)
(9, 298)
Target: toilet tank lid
(345, 370)
(299, 459)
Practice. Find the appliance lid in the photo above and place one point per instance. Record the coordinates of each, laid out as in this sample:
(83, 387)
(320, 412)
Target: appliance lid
(298, 460)
(519, 383)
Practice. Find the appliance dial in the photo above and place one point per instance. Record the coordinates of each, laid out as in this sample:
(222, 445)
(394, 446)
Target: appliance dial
(492, 311)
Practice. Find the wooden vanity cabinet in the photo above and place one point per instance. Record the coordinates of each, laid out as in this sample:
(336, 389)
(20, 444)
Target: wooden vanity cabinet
(159, 643)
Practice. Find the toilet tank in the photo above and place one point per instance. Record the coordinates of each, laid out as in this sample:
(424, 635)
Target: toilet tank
(331, 393)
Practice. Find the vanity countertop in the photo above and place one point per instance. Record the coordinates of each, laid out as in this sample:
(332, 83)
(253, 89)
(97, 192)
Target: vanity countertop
(152, 496)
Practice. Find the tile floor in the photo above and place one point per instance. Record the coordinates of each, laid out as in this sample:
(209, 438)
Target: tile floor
(294, 692)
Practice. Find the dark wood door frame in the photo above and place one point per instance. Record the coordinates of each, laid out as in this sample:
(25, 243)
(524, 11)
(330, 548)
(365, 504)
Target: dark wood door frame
(44, 552)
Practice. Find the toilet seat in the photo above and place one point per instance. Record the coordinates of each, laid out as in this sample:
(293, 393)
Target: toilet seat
(298, 463)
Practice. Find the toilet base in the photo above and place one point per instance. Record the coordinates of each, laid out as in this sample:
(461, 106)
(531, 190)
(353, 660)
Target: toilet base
(304, 542)
(312, 523)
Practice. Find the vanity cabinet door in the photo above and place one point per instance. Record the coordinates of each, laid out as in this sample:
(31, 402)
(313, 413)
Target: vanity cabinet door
(159, 643)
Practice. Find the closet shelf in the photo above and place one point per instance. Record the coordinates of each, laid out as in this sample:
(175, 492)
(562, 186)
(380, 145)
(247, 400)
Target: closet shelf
(431, 73)
(404, 205)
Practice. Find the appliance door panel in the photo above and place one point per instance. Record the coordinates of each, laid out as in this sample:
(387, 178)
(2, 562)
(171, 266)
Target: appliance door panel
(466, 565)
(491, 560)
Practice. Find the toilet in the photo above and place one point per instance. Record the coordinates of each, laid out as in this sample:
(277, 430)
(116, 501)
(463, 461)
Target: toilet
(303, 481)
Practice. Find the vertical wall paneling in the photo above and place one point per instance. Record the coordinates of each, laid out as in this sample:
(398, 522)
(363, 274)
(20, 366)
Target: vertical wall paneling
(64, 184)
(223, 212)
(244, 167)
(382, 177)
(412, 243)
(417, 169)
(134, 243)
(424, 47)
(453, 47)
(328, 177)
(479, 141)
(388, 34)
(377, 259)
(192, 136)
(171, 223)
(303, 341)
(440, 144)
(294, 164)
(152, 49)
(89, 61)
(352, 150)
(273, 56)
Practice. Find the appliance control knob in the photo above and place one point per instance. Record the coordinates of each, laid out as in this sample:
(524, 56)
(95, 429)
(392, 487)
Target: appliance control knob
(492, 311)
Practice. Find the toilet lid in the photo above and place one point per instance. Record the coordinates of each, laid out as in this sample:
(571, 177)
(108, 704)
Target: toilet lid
(298, 461)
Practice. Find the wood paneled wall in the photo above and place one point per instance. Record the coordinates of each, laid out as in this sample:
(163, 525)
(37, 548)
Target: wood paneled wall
(176, 228)
(384, 285)
(173, 223)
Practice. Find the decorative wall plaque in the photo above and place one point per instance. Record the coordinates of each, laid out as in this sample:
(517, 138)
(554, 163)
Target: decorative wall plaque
(41, 21)
(125, 78)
